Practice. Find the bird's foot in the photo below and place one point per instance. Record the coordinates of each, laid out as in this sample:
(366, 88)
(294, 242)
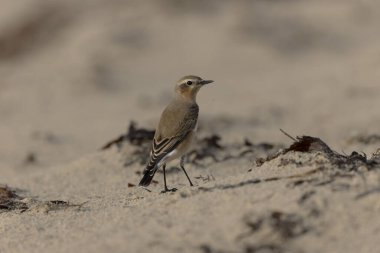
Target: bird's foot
(169, 190)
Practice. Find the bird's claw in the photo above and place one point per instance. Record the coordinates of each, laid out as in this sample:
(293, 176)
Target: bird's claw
(169, 190)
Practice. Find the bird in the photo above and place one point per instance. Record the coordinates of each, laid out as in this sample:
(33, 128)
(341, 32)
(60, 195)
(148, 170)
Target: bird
(175, 130)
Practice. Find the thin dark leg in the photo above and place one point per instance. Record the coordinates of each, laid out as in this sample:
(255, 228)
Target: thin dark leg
(163, 168)
(166, 187)
(183, 168)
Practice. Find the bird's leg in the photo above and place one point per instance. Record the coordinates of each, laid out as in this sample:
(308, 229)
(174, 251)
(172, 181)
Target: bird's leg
(166, 187)
(163, 168)
(182, 165)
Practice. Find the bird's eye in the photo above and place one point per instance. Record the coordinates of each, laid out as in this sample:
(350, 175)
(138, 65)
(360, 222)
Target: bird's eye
(189, 83)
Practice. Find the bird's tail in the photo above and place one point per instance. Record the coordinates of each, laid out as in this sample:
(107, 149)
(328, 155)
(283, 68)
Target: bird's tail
(148, 175)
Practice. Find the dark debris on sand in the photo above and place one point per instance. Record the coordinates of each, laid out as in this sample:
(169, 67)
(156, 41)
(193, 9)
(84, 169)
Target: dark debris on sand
(308, 144)
(135, 136)
(206, 150)
(210, 149)
(139, 138)
(10, 201)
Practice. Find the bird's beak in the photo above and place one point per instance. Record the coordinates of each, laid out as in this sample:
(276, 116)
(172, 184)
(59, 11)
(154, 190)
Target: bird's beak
(203, 82)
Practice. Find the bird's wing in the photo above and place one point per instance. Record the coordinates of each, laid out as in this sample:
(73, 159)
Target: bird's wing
(172, 131)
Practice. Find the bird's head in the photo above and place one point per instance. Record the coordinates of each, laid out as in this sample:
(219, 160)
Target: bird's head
(188, 86)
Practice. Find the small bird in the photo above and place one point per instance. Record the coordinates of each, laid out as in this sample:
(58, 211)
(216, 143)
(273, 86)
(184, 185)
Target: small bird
(176, 129)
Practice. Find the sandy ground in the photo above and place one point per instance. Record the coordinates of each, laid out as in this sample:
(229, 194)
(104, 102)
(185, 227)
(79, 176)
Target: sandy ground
(74, 74)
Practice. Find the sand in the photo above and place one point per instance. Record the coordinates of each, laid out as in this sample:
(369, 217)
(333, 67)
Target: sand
(75, 74)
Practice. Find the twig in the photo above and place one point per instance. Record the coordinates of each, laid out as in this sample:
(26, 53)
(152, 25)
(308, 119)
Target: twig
(291, 137)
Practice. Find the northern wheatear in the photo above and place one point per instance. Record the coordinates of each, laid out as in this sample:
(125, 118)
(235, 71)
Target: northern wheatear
(176, 129)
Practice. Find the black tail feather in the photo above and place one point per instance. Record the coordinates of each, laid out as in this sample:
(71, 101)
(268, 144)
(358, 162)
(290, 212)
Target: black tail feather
(148, 176)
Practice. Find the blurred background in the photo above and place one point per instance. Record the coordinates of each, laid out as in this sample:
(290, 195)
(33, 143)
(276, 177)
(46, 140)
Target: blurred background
(75, 73)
